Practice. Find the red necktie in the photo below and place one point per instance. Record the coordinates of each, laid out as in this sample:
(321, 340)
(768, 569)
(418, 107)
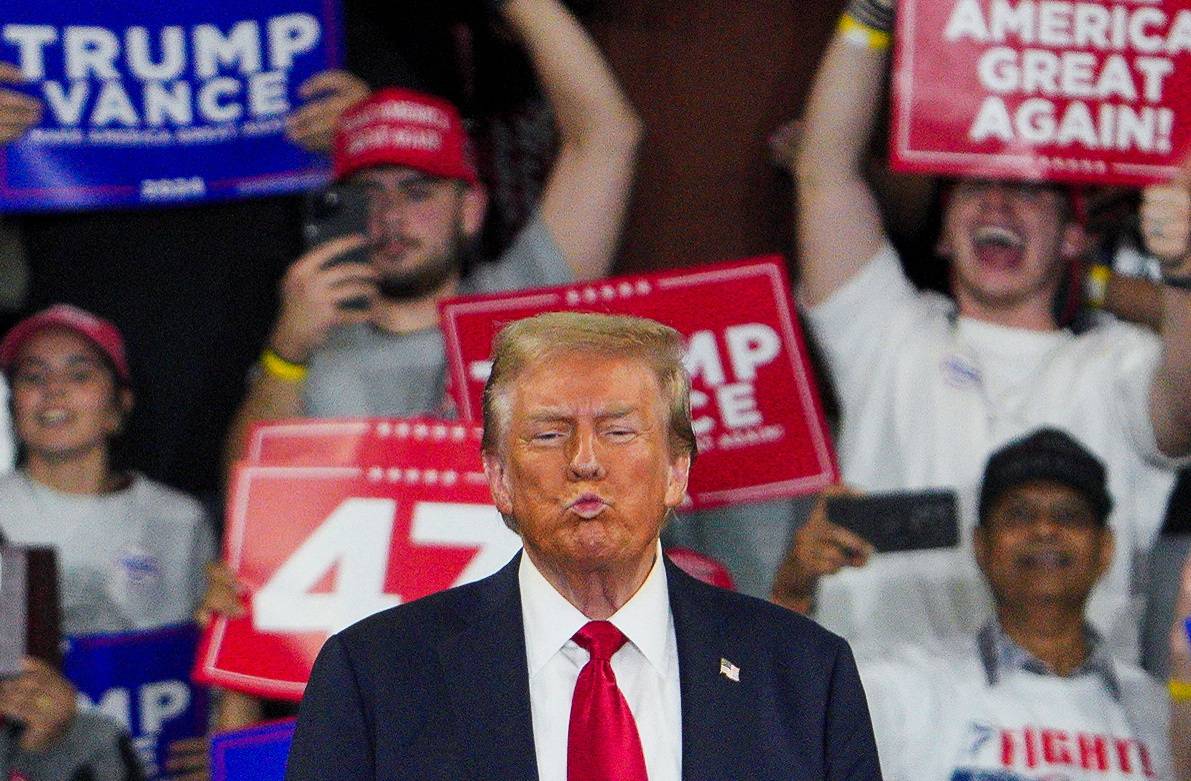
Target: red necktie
(602, 743)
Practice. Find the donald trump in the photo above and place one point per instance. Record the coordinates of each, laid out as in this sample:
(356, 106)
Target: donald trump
(589, 657)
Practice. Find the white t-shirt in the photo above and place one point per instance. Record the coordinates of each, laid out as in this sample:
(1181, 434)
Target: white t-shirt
(646, 669)
(937, 718)
(927, 396)
(132, 559)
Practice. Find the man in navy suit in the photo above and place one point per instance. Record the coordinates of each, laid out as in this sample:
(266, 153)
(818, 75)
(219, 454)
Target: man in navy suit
(588, 657)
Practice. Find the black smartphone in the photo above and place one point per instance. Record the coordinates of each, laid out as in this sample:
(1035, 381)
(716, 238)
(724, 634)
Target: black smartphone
(332, 212)
(900, 521)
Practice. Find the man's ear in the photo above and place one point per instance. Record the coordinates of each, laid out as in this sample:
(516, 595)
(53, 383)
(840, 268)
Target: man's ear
(980, 547)
(122, 403)
(676, 480)
(944, 247)
(473, 209)
(498, 483)
(1108, 547)
(1075, 241)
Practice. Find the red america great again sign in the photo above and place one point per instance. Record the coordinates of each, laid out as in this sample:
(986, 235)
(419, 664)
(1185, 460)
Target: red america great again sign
(1094, 91)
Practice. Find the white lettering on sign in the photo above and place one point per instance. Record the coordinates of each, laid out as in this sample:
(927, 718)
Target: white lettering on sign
(1073, 75)
(748, 347)
(157, 703)
(160, 702)
(466, 526)
(352, 546)
(137, 76)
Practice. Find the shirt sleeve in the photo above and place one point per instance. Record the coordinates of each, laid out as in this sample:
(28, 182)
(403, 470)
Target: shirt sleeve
(898, 695)
(1139, 355)
(203, 550)
(852, 325)
(94, 747)
(532, 260)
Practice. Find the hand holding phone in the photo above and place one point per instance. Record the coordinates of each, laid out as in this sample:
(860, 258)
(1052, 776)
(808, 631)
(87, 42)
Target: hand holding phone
(334, 212)
(818, 548)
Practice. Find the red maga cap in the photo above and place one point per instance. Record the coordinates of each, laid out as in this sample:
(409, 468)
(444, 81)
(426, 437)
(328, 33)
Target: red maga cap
(104, 336)
(406, 128)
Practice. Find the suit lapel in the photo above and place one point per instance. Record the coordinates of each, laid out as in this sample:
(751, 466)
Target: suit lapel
(714, 717)
(485, 672)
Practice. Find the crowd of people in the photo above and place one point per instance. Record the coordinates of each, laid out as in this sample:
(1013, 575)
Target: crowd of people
(1062, 430)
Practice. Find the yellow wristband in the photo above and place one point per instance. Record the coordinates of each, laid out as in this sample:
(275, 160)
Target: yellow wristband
(859, 34)
(282, 369)
(1180, 691)
(1097, 284)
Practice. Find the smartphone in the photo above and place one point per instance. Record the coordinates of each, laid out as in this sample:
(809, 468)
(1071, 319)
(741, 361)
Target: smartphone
(900, 521)
(332, 212)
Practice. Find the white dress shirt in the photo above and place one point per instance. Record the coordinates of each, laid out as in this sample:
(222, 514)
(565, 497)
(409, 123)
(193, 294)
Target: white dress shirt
(646, 669)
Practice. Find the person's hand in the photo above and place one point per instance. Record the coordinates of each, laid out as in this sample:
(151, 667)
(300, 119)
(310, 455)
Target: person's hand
(328, 94)
(819, 548)
(18, 112)
(1180, 644)
(40, 699)
(222, 596)
(1166, 222)
(312, 297)
(189, 760)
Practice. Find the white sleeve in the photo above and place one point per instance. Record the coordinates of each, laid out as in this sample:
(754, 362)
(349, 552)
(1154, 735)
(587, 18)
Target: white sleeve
(1139, 354)
(203, 550)
(852, 325)
(898, 700)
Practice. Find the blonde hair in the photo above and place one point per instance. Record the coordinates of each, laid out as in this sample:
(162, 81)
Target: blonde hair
(527, 342)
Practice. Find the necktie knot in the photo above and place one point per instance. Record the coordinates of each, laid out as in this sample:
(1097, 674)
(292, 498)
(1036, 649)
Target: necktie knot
(601, 639)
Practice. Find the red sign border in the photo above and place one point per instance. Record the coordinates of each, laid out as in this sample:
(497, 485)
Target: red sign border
(206, 667)
(400, 428)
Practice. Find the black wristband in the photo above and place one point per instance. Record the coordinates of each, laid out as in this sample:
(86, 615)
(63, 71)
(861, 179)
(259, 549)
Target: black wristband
(872, 13)
(1180, 282)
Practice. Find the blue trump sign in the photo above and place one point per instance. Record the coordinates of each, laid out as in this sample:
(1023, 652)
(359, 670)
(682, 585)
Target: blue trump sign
(142, 679)
(257, 753)
(148, 102)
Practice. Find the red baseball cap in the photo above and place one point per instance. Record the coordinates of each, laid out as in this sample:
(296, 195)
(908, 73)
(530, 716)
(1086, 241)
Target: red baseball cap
(104, 336)
(401, 127)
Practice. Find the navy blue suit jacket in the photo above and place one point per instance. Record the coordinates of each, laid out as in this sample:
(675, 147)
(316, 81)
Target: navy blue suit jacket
(439, 689)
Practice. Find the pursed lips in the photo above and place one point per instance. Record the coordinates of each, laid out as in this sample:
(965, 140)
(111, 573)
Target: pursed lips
(587, 505)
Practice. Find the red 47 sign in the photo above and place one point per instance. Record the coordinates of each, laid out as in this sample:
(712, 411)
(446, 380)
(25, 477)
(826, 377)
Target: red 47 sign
(322, 547)
(755, 407)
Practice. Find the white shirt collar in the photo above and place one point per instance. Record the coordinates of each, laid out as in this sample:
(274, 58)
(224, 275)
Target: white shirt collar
(550, 620)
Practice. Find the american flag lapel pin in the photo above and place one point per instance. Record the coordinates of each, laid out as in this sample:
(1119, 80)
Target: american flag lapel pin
(729, 671)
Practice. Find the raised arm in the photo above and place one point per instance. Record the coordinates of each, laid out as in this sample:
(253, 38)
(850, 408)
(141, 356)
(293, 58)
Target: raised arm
(1166, 226)
(584, 201)
(839, 223)
(312, 296)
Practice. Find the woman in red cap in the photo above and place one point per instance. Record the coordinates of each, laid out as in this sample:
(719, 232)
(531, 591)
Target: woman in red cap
(130, 551)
